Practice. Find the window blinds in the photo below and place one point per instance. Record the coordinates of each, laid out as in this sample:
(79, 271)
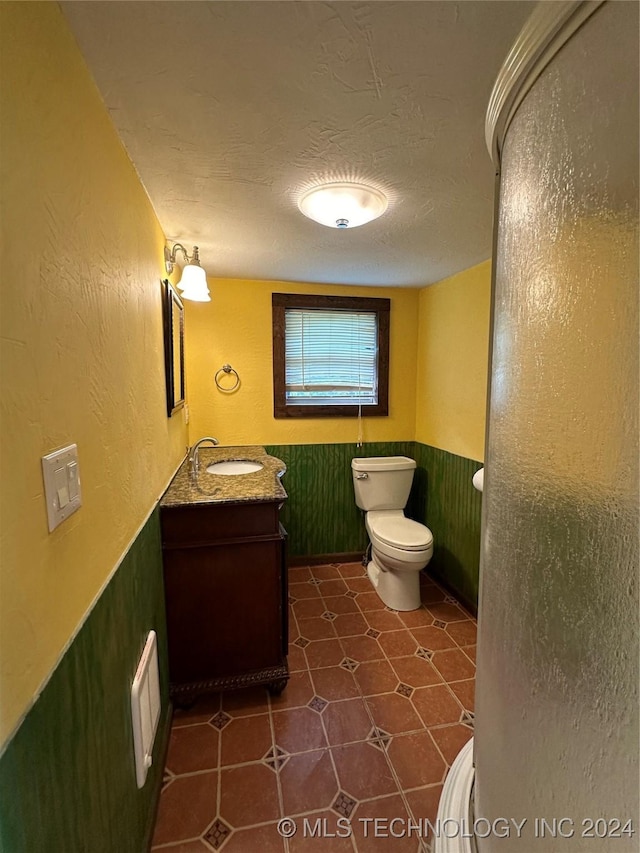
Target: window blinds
(331, 357)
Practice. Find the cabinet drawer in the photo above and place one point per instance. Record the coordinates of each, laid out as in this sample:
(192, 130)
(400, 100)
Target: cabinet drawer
(203, 525)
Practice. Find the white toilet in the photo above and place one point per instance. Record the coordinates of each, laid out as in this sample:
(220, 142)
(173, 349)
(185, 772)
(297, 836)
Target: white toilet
(399, 547)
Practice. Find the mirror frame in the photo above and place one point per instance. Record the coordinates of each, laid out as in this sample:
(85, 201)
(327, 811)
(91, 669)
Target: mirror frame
(173, 323)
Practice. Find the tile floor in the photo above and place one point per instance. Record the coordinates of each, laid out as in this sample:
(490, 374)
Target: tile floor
(377, 707)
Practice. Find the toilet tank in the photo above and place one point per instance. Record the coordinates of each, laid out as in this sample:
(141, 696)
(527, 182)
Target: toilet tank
(382, 482)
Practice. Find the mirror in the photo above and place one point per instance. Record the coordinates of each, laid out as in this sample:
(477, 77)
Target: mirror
(173, 318)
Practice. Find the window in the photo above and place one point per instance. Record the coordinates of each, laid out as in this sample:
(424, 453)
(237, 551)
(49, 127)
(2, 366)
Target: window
(330, 356)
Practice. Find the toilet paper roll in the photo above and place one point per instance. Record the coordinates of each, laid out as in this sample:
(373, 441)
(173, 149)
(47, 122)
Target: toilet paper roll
(478, 479)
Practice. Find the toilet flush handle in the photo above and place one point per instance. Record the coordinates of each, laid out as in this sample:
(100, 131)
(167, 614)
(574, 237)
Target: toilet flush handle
(362, 475)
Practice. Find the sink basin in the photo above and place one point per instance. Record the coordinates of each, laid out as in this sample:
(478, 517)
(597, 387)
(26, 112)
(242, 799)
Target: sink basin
(233, 467)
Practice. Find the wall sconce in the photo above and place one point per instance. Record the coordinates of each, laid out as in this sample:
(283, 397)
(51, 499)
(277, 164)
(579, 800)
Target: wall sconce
(193, 283)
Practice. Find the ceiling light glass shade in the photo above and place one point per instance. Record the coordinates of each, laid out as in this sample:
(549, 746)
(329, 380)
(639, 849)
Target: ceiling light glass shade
(193, 284)
(343, 205)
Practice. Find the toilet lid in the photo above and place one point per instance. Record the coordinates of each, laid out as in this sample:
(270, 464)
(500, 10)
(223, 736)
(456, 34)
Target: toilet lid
(401, 532)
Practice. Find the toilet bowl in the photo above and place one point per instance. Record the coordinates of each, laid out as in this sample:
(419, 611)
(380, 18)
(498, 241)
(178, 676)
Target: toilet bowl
(400, 547)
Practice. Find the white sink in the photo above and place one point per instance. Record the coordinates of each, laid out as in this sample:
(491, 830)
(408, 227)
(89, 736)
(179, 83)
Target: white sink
(233, 467)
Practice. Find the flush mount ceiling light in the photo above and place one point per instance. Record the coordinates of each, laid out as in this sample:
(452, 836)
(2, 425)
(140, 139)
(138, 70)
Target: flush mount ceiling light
(343, 205)
(193, 283)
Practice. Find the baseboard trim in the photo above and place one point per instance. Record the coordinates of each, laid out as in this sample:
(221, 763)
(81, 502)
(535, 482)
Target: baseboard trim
(356, 557)
(443, 582)
(326, 559)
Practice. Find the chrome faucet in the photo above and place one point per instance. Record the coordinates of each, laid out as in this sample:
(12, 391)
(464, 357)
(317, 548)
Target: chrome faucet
(194, 460)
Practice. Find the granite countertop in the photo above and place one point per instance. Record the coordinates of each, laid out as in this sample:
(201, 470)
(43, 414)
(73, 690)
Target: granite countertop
(260, 487)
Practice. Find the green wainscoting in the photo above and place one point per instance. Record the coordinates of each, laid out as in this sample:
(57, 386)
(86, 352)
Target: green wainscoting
(321, 516)
(67, 778)
(445, 500)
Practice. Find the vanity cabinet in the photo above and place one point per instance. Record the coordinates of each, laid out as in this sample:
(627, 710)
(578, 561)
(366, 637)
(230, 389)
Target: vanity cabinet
(226, 597)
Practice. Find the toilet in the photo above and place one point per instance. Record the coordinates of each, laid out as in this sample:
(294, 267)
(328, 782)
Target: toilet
(399, 547)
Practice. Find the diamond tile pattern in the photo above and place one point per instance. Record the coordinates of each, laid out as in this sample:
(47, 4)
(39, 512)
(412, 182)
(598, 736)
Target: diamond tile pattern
(318, 704)
(167, 776)
(379, 738)
(468, 719)
(220, 720)
(362, 715)
(217, 834)
(344, 805)
(424, 653)
(276, 758)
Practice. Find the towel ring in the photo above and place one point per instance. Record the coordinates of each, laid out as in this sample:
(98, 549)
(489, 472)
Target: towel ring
(226, 368)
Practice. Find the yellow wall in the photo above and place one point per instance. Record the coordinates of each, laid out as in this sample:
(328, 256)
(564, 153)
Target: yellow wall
(235, 327)
(452, 363)
(81, 356)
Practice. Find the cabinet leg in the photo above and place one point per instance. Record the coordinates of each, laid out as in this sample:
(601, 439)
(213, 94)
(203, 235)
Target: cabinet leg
(275, 688)
(185, 702)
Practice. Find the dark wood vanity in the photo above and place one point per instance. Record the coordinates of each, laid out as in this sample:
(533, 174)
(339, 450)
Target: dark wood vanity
(224, 555)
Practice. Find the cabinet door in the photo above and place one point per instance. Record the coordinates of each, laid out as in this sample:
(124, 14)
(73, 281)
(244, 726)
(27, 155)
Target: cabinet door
(224, 609)
(284, 593)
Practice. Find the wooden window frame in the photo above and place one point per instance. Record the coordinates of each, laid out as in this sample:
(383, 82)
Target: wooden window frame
(381, 307)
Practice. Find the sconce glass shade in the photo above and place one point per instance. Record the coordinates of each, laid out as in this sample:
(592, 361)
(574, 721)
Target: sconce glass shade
(193, 284)
(343, 205)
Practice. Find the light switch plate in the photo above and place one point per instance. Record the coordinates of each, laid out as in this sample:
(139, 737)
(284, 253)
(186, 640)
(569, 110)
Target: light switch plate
(61, 474)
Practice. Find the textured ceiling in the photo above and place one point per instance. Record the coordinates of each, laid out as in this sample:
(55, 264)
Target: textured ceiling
(229, 109)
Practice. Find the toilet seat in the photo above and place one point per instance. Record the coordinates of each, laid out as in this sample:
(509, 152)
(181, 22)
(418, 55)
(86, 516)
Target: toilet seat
(396, 531)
